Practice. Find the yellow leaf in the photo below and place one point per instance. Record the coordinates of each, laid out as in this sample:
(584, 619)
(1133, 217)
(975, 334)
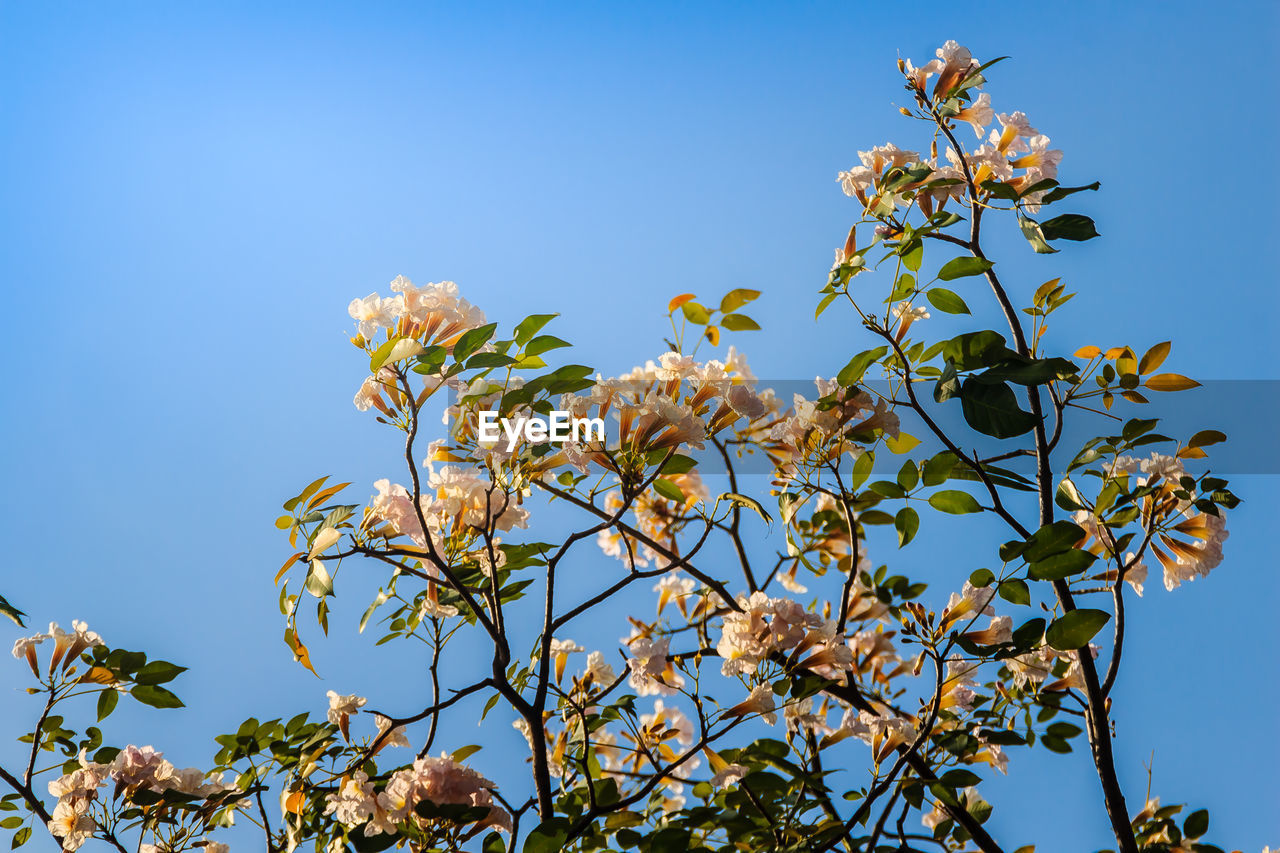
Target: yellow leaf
(1191, 453)
(713, 335)
(678, 301)
(1114, 353)
(284, 521)
(1088, 352)
(99, 675)
(904, 443)
(1127, 362)
(1170, 382)
(1043, 291)
(1154, 357)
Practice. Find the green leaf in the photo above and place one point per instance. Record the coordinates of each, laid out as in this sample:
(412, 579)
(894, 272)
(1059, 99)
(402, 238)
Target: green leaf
(396, 349)
(912, 259)
(906, 522)
(550, 835)
(1026, 635)
(960, 778)
(1052, 538)
(993, 409)
(1197, 824)
(749, 503)
(155, 696)
(822, 306)
(431, 360)
(1015, 591)
(473, 340)
(937, 469)
(739, 323)
(20, 838)
(954, 501)
(12, 612)
(982, 578)
(736, 298)
(946, 301)
(318, 582)
(1069, 226)
(483, 360)
(1035, 236)
(544, 343)
(962, 267)
(529, 326)
(668, 490)
(853, 372)
(976, 349)
(1030, 371)
(696, 314)
(1061, 566)
(948, 384)
(158, 672)
(107, 701)
(1062, 192)
(1075, 629)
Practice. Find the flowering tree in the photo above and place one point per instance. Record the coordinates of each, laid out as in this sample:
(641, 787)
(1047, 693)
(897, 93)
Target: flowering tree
(735, 715)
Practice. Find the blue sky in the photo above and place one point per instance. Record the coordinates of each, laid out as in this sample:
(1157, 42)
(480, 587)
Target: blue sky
(193, 193)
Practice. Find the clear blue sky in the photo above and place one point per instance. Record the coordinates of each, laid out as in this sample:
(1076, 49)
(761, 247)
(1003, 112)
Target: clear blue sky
(193, 192)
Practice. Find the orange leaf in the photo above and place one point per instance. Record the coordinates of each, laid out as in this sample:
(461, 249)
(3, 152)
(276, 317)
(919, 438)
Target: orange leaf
(325, 494)
(300, 653)
(678, 301)
(1170, 382)
(1114, 353)
(287, 563)
(1088, 352)
(1154, 357)
(293, 803)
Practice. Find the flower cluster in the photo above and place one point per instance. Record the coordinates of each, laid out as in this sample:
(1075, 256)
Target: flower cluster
(766, 626)
(67, 645)
(135, 768)
(437, 781)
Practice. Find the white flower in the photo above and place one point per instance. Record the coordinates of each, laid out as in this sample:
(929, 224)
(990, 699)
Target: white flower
(1136, 574)
(396, 737)
(341, 709)
(955, 57)
(651, 672)
(906, 310)
(856, 181)
(978, 114)
(71, 823)
(374, 312)
(598, 670)
(883, 156)
(1014, 127)
(560, 651)
(760, 701)
(730, 775)
(672, 586)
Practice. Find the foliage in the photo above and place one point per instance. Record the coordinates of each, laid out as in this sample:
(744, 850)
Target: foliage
(893, 712)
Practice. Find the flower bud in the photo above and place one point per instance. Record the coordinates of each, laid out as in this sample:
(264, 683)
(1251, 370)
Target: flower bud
(902, 66)
(904, 111)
